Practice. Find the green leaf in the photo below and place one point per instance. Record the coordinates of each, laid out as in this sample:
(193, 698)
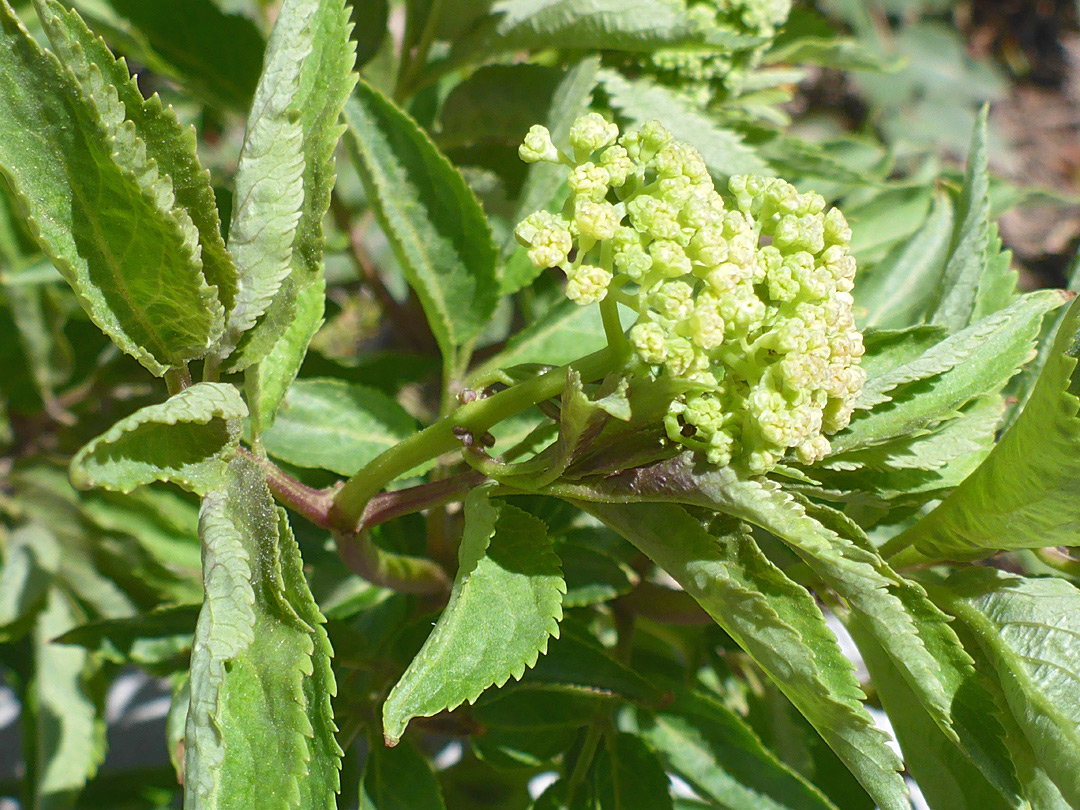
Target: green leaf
(434, 222)
(259, 729)
(621, 25)
(31, 560)
(159, 640)
(188, 439)
(960, 282)
(720, 756)
(561, 335)
(325, 80)
(978, 360)
(399, 778)
(65, 721)
(167, 143)
(1021, 496)
(504, 606)
(544, 180)
(775, 620)
(593, 575)
(216, 55)
(900, 288)
(641, 100)
(1028, 628)
(629, 775)
(279, 368)
(942, 770)
(364, 423)
(99, 206)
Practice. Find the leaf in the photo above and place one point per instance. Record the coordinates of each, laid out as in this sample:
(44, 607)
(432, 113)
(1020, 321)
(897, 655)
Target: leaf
(216, 55)
(629, 775)
(955, 300)
(900, 288)
(188, 439)
(641, 101)
(259, 730)
(167, 143)
(561, 335)
(910, 628)
(1028, 628)
(621, 25)
(432, 219)
(942, 770)
(976, 361)
(544, 180)
(279, 368)
(326, 79)
(720, 756)
(116, 234)
(775, 620)
(1021, 496)
(592, 575)
(31, 560)
(65, 727)
(505, 604)
(159, 640)
(399, 778)
(365, 423)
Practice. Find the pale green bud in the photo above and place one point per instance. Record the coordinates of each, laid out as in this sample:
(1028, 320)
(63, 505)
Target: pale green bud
(538, 147)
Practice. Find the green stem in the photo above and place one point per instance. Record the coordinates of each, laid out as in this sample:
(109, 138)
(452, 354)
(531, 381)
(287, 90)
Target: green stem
(253, 392)
(616, 338)
(474, 418)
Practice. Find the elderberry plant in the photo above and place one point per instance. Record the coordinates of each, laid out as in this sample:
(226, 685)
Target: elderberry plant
(554, 451)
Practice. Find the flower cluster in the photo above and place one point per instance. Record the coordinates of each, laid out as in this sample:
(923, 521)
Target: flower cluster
(704, 74)
(749, 301)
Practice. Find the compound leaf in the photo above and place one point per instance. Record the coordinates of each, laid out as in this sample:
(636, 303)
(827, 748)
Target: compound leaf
(188, 439)
(504, 606)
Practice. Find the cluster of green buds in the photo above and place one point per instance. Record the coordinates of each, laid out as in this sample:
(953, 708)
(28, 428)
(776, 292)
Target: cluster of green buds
(704, 74)
(748, 301)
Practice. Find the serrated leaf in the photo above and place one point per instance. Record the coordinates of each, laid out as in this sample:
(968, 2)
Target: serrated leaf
(259, 730)
(1028, 628)
(365, 423)
(901, 287)
(434, 222)
(326, 79)
(167, 143)
(99, 207)
(279, 368)
(504, 606)
(997, 288)
(593, 575)
(1022, 495)
(216, 55)
(621, 25)
(65, 718)
(188, 439)
(31, 558)
(399, 778)
(976, 361)
(269, 183)
(629, 775)
(544, 180)
(721, 757)
(955, 300)
(775, 620)
(641, 100)
(942, 770)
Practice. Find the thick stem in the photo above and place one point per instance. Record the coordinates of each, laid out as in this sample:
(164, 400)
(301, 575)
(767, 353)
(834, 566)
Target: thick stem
(177, 379)
(474, 418)
(313, 504)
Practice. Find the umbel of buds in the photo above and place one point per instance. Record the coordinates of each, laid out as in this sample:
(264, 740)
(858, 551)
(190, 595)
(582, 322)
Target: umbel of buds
(745, 298)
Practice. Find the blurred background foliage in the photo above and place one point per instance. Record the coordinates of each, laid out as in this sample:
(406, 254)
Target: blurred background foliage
(871, 103)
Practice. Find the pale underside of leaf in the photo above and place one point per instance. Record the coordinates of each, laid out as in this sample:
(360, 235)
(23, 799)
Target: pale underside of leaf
(187, 439)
